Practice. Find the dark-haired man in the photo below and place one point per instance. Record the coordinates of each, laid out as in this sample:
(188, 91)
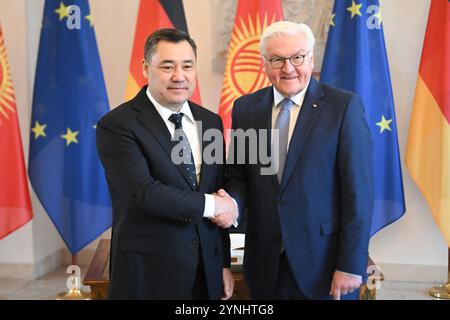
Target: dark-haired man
(166, 239)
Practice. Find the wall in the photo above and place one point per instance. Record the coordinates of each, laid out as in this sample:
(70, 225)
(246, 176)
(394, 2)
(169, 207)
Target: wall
(414, 239)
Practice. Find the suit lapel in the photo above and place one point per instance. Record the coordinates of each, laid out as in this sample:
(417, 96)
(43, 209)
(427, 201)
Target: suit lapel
(203, 124)
(152, 121)
(309, 113)
(263, 112)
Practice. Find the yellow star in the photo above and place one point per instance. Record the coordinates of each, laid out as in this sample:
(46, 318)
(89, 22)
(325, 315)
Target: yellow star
(384, 124)
(63, 11)
(378, 15)
(70, 136)
(355, 9)
(39, 130)
(332, 19)
(89, 18)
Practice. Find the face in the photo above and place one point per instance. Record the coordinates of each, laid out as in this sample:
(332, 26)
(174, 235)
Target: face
(289, 80)
(171, 73)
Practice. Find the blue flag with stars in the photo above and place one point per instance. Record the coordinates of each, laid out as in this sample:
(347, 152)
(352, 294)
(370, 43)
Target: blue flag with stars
(355, 60)
(69, 98)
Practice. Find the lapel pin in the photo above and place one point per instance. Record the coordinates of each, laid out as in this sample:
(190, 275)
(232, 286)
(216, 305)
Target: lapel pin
(314, 105)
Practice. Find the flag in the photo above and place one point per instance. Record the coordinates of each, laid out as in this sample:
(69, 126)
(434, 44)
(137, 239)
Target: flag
(15, 205)
(153, 15)
(428, 147)
(244, 71)
(355, 60)
(69, 98)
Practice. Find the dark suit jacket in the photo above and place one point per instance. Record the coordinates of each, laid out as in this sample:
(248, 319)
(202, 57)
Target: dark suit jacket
(321, 211)
(158, 231)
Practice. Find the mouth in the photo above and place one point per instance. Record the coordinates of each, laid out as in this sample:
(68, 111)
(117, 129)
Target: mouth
(177, 88)
(289, 78)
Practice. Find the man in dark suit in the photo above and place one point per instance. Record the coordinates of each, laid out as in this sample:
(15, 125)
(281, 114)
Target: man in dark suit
(308, 222)
(165, 241)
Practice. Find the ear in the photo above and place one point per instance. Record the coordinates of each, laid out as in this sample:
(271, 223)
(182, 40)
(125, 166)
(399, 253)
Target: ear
(145, 68)
(312, 61)
(263, 63)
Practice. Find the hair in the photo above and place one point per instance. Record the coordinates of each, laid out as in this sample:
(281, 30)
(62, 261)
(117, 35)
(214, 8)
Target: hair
(287, 28)
(169, 35)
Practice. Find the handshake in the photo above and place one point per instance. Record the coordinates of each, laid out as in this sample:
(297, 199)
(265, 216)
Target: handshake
(226, 210)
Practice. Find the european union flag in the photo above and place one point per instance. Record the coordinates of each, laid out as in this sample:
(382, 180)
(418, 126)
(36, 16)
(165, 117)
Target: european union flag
(355, 60)
(69, 98)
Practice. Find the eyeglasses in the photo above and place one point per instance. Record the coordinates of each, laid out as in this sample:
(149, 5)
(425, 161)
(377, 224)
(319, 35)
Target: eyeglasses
(296, 60)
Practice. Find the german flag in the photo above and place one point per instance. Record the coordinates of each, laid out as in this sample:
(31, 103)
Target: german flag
(153, 15)
(428, 149)
(244, 71)
(15, 204)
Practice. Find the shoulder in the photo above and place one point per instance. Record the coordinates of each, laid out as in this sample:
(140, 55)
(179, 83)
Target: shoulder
(339, 96)
(242, 103)
(257, 95)
(119, 115)
(126, 112)
(204, 113)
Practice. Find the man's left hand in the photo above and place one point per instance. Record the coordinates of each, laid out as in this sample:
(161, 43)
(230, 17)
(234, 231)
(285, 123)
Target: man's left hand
(343, 284)
(228, 284)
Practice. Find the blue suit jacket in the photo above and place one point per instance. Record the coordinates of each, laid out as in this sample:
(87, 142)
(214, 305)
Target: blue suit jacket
(321, 210)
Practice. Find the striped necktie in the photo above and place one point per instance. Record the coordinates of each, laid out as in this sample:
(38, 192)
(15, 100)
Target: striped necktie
(186, 151)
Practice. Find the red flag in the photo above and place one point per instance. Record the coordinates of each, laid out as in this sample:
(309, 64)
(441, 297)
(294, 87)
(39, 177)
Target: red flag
(153, 15)
(15, 205)
(428, 149)
(244, 72)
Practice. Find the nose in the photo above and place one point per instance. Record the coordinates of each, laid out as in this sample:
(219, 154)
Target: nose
(287, 67)
(178, 74)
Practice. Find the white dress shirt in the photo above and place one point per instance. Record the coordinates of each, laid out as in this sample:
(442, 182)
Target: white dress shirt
(191, 130)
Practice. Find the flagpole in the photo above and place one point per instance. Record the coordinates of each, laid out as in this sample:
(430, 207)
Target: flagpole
(443, 291)
(74, 259)
(75, 292)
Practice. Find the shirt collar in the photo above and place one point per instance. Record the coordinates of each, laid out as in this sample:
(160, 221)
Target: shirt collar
(297, 99)
(166, 112)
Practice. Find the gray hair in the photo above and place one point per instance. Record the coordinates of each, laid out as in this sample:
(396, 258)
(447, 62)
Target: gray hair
(281, 29)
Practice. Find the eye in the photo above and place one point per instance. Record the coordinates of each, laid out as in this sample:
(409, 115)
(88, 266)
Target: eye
(188, 67)
(166, 67)
(277, 60)
(297, 58)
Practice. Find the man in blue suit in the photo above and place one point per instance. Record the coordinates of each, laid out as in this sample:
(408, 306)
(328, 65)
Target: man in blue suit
(308, 223)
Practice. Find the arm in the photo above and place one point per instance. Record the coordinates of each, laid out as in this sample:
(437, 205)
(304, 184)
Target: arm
(128, 174)
(228, 284)
(235, 176)
(356, 178)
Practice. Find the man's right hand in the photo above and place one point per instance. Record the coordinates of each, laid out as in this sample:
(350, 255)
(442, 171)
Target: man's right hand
(226, 212)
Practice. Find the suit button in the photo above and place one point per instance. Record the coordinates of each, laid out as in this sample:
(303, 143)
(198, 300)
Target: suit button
(194, 242)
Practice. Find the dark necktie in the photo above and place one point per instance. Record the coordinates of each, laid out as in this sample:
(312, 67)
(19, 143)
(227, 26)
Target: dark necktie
(185, 152)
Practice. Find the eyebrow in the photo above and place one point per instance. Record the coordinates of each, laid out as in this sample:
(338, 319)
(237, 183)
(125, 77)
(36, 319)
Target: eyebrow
(173, 61)
(295, 54)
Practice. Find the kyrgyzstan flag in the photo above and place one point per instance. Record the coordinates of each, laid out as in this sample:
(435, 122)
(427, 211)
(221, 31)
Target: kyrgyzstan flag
(428, 149)
(15, 205)
(153, 15)
(244, 72)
